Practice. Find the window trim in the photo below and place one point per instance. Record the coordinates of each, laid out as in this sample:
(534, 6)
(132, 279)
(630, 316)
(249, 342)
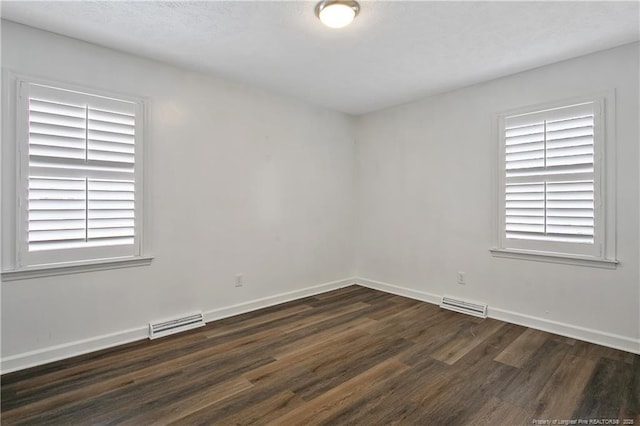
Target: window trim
(604, 172)
(12, 269)
(74, 267)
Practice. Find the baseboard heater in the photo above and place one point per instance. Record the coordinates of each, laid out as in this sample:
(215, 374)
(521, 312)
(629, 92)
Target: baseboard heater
(176, 325)
(464, 307)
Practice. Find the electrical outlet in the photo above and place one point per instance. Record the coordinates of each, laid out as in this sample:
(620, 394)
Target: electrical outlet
(461, 278)
(239, 280)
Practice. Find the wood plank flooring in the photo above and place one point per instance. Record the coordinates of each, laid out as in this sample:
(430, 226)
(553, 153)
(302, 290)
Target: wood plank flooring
(351, 356)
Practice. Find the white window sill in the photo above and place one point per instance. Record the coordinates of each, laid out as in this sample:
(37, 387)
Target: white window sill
(74, 268)
(554, 258)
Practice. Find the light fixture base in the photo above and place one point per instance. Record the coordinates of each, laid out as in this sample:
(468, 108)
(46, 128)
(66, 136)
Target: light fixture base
(353, 5)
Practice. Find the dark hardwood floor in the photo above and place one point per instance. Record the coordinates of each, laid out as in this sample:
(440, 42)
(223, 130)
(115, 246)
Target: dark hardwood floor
(351, 356)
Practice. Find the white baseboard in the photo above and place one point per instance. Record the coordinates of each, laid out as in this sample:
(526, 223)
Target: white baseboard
(71, 349)
(67, 350)
(265, 302)
(80, 347)
(568, 330)
(398, 290)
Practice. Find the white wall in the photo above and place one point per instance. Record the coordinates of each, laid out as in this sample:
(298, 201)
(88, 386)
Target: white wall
(425, 181)
(240, 181)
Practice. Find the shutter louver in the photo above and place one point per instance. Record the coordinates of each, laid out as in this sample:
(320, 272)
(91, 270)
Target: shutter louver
(81, 180)
(549, 171)
(111, 212)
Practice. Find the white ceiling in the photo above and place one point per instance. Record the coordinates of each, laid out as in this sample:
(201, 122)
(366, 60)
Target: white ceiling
(394, 51)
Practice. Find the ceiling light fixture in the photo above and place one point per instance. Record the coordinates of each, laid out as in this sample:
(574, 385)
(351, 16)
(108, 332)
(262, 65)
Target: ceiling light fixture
(337, 13)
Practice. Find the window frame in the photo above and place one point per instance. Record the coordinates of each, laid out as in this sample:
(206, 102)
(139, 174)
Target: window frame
(54, 262)
(602, 253)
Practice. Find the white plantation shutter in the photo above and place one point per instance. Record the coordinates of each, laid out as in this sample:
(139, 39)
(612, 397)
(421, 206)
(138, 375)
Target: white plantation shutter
(81, 174)
(550, 176)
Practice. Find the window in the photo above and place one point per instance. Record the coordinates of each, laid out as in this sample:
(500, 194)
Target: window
(551, 199)
(79, 183)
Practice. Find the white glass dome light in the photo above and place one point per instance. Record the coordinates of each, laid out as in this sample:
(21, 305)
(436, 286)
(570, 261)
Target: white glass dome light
(337, 13)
